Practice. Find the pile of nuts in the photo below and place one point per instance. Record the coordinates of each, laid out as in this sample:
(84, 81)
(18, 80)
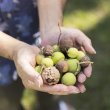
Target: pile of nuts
(61, 63)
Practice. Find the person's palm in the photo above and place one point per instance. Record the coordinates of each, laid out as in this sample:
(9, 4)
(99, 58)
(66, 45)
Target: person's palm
(80, 40)
(25, 61)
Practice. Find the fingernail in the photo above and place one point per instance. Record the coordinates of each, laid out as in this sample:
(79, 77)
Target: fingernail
(94, 51)
(89, 75)
(84, 90)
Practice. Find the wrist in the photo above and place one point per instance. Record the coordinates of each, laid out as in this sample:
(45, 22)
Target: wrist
(51, 36)
(8, 45)
(15, 49)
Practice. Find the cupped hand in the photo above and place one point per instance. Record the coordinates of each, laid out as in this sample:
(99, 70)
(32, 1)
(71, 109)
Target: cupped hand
(24, 57)
(80, 40)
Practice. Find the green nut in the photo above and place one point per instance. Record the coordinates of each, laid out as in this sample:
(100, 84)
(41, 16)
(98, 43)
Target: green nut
(57, 56)
(78, 69)
(56, 48)
(68, 79)
(73, 65)
(72, 52)
(80, 55)
(47, 62)
(38, 69)
(62, 66)
(39, 59)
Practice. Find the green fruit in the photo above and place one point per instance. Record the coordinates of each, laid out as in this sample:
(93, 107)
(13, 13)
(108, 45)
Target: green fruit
(78, 69)
(68, 79)
(39, 59)
(72, 52)
(49, 57)
(47, 62)
(57, 56)
(56, 48)
(80, 55)
(73, 65)
(62, 66)
(38, 69)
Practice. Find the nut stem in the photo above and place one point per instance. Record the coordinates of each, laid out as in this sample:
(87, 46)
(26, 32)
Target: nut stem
(59, 34)
(42, 68)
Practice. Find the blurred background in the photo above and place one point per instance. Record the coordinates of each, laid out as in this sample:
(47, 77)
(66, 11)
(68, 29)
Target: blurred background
(93, 18)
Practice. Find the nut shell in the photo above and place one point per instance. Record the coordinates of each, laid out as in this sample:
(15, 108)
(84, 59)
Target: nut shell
(86, 61)
(48, 50)
(65, 43)
(51, 76)
(62, 66)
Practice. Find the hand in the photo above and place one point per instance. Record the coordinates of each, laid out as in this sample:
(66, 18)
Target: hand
(79, 40)
(24, 59)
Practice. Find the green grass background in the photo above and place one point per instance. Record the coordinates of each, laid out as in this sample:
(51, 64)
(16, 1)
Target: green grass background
(93, 18)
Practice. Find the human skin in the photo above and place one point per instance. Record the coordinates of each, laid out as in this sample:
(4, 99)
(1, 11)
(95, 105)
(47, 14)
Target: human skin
(24, 54)
(51, 24)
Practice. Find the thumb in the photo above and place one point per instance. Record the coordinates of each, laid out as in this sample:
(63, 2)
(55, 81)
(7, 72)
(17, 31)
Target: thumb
(31, 74)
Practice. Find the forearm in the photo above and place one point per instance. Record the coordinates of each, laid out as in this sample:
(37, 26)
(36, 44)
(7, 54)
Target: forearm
(7, 45)
(50, 15)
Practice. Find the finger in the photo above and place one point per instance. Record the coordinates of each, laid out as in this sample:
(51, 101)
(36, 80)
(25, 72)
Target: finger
(36, 49)
(81, 77)
(81, 87)
(30, 85)
(88, 70)
(27, 84)
(88, 47)
(71, 90)
(59, 93)
(61, 89)
(84, 41)
(29, 73)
